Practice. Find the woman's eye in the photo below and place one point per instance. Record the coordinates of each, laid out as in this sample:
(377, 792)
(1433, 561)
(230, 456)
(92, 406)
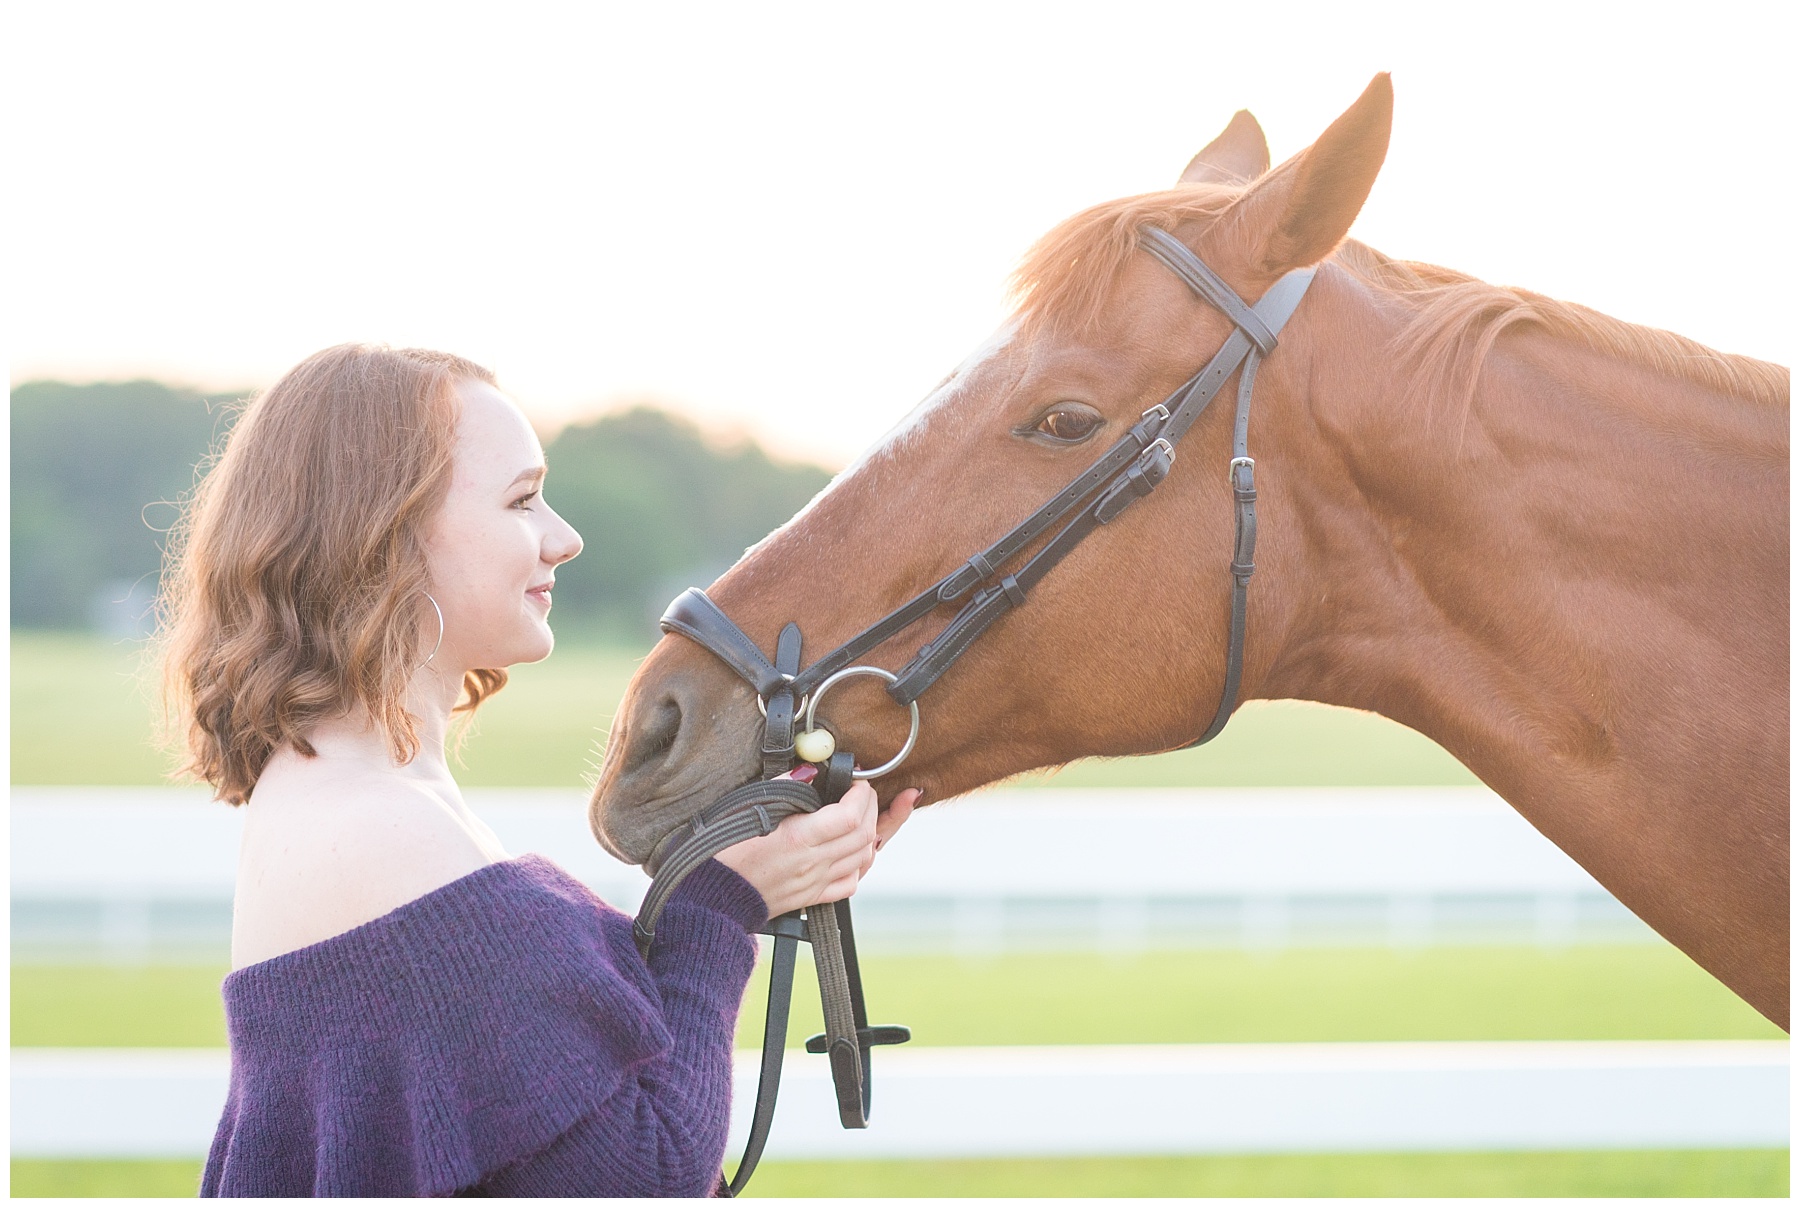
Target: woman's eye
(1069, 426)
(523, 503)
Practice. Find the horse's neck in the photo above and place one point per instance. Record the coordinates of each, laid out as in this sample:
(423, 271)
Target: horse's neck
(1578, 586)
(1522, 576)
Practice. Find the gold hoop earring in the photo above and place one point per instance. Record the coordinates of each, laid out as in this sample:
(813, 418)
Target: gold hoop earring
(440, 640)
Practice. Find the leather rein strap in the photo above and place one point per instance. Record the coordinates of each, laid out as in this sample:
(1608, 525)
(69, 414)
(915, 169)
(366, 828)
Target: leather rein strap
(1131, 469)
(747, 812)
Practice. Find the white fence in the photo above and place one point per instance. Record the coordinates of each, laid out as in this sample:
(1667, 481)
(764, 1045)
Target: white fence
(133, 874)
(1095, 1100)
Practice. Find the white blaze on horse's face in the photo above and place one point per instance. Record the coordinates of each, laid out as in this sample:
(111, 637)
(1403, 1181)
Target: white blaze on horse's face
(909, 428)
(903, 435)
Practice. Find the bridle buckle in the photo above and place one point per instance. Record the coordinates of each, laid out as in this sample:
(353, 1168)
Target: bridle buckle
(762, 706)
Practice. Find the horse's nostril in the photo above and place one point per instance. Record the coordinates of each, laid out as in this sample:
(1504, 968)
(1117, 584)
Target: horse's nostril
(652, 743)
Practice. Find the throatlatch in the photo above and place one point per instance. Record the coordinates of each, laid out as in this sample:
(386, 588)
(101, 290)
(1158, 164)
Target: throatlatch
(1129, 471)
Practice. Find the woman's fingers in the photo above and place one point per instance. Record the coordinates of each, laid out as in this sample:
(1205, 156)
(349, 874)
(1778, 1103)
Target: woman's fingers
(851, 819)
(821, 856)
(838, 890)
(892, 816)
(897, 812)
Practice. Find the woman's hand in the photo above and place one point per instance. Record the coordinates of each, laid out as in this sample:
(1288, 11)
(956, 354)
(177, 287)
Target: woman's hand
(819, 857)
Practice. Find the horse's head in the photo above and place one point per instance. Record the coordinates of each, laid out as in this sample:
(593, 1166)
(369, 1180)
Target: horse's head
(1119, 650)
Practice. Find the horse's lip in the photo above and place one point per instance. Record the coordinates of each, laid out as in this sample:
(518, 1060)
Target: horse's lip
(665, 846)
(660, 845)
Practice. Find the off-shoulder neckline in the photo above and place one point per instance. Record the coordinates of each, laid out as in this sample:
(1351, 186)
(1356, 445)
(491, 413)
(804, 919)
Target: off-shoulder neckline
(520, 863)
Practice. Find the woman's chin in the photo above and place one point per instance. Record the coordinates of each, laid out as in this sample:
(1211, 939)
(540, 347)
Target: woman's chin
(527, 640)
(538, 647)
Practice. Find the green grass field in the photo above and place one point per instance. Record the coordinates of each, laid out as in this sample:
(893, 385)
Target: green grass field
(1637, 992)
(1759, 1172)
(1612, 992)
(1688, 1173)
(81, 714)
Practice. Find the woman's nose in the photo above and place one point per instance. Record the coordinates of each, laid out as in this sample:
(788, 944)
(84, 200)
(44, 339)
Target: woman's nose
(561, 543)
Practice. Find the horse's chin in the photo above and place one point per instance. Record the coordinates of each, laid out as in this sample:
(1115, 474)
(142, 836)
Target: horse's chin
(630, 820)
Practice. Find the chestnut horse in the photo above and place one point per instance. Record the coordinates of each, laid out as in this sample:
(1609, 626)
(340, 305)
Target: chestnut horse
(1552, 541)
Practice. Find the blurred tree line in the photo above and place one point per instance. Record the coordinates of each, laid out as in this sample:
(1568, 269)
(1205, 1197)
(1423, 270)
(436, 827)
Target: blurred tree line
(96, 471)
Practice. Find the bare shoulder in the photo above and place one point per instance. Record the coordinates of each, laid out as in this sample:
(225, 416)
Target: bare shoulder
(325, 850)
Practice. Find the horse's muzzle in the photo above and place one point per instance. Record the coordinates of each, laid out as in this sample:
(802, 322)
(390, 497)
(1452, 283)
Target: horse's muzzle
(683, 738)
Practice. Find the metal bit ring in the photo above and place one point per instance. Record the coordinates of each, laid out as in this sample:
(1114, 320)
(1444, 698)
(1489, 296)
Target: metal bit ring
(818, 694)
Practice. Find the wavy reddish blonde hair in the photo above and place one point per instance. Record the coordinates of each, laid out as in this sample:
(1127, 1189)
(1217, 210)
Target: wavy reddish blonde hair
(295, 584)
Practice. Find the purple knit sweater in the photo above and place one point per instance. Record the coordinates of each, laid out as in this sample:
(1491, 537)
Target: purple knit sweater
(498, 1036)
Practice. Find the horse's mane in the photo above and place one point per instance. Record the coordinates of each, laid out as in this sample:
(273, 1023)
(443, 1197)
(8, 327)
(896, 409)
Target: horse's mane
(1457, 318)
(1067, 278)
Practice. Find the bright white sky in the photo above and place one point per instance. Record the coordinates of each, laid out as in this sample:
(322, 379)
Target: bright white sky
(791, 220)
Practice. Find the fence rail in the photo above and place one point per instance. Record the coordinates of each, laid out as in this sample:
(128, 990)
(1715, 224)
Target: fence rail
(133, 875)
(1086, 1100)
(147, 874)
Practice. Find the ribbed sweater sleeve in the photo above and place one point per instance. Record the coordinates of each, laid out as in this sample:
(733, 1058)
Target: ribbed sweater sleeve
(500, 1035)
(663, 1131)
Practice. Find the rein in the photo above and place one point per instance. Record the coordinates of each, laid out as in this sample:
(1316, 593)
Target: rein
(1130, 470)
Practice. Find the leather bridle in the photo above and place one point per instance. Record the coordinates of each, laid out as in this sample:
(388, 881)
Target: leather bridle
(1131, 469)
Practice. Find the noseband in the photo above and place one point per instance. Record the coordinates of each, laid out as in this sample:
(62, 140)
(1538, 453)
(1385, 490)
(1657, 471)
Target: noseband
(1131, 469)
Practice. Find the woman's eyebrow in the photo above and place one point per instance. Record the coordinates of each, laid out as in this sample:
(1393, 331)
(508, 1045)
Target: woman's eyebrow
(535, 473)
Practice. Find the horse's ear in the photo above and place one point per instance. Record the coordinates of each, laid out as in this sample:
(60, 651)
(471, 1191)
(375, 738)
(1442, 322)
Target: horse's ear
(1238, 156)
(1300, 212)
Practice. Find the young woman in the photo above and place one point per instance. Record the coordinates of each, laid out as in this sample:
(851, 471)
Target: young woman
(410, 1011)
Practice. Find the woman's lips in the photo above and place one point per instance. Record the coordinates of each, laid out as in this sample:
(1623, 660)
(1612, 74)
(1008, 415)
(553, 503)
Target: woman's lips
(541, 593)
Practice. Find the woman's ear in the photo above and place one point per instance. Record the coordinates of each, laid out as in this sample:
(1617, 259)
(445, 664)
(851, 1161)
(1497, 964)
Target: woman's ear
(1299, 213)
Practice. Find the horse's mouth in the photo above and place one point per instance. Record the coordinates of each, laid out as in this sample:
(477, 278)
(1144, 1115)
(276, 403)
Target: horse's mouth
(635, 830)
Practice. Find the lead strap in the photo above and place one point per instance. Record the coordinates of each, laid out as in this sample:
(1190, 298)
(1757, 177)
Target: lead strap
(787, 931)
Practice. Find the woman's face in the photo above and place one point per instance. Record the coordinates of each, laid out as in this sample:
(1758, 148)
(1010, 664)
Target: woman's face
(493, 548)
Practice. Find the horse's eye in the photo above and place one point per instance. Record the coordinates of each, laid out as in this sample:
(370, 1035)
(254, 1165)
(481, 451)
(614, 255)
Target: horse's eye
(1069, 425)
